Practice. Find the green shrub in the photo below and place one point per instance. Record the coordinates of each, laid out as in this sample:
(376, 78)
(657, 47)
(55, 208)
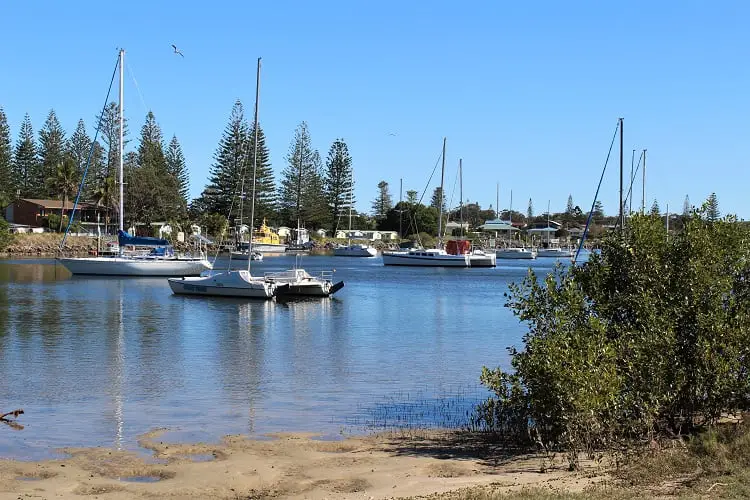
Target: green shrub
(5, 235)
(652, 336)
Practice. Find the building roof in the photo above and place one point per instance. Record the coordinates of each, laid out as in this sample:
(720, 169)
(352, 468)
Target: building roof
(58, 204)
(497, 225)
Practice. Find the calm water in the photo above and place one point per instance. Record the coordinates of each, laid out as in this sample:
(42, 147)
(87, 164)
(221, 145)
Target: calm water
(98, 361)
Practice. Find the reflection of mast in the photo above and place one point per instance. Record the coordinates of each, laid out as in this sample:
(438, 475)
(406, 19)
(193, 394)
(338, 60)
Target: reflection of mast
(119, 373)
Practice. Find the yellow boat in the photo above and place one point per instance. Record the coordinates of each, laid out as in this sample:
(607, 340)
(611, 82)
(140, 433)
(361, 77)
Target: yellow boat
(265, 240)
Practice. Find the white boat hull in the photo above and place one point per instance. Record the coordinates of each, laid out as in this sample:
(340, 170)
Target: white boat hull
(269, 247)
(555, 253)
(255, 256)
(355, 251)
(224, 284)
(515, 254)
(483, 260)
(134, 266)
(408, 259)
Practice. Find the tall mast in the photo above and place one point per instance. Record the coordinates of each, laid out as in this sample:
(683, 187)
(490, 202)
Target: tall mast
(440, 198)
(622, 214)
(401, 207)
(547, 222)
(643, 196)
(349, 234)
(630, 190)
(255, 165)
(461, 193)
(122, 85)
(510, 209)
(497, 201)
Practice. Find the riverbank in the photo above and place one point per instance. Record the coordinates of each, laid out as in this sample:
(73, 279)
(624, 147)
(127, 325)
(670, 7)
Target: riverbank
(48, 244)
(393, 465)
(427, 465)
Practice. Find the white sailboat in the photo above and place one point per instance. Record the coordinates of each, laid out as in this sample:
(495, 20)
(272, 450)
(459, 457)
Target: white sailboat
(434, 257)
(229, 283)
(161, 261)
(514, 252)
(555, 252)
(353, 250)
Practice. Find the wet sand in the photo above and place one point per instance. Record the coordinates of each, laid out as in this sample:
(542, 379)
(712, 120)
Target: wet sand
(294, 466)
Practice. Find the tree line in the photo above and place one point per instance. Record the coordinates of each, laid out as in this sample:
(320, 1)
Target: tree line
(52, 165)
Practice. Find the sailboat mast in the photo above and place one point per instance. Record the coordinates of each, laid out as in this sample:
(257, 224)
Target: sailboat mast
(401, 207)
(461, 194)
(643, 196)
(622, 211)
(122, 85)
(547, 222)
(349, 234)
(497, 202)
(440, 198)
(255, 165)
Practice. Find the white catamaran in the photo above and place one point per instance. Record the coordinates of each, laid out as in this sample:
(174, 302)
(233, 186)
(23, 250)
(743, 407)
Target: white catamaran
(160, 261)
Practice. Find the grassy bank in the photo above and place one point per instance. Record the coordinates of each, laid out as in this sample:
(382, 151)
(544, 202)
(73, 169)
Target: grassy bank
(714, 464)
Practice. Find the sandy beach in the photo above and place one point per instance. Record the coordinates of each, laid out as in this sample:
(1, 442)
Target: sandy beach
(295, 466)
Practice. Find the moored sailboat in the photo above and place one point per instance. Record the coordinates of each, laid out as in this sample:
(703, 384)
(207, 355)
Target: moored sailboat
(232, 283)
(160, 261)
(434, 257)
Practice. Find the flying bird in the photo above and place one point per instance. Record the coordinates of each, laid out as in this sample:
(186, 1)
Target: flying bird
(393, 133)
(176, 51)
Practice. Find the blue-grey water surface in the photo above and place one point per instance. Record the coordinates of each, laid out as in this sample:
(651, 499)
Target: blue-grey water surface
(98, 361)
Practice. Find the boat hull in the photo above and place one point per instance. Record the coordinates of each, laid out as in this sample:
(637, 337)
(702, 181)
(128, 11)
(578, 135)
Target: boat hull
(405, 259)
(126, 266)
(255, 256)
(269, 247)
(217, 286)
(483, 260)
(355, 252)
(554, 253)
(320, 289)
(525, 254)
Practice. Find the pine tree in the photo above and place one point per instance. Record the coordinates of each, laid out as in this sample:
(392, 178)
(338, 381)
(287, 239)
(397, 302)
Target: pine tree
(569, 208)
(79, 147)
(301, 192)
(109, 123)
(712, 208)
(339, 182)
(177, 168)
(655, 208)
(598, 210)
(265, 185)
(383, 203)
(411, 197)
(229, 160)
(52, 146)
(438, 199)
(26, 165)
(687, 209)
(7, 179)
(530, 212)
(153, 191)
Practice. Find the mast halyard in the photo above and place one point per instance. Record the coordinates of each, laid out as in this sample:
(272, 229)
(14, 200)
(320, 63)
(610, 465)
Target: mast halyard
(255, 166)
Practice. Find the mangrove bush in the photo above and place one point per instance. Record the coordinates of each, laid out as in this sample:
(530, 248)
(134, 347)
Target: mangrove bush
(650, 337)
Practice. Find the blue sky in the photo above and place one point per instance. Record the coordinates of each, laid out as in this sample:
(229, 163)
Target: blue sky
(527, 93)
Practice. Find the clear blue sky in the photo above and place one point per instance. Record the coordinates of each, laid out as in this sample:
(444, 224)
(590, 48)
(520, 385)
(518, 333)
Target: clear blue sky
(527, 93)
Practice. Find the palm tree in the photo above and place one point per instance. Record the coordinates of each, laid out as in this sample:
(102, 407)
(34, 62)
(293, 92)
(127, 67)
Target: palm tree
(106, 196)
(64, 182)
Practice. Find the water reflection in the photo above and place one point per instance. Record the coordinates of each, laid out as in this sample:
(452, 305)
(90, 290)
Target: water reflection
(106, 359)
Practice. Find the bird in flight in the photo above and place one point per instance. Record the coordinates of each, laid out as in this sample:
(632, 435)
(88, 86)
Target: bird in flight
(176, 51)
(393, 133)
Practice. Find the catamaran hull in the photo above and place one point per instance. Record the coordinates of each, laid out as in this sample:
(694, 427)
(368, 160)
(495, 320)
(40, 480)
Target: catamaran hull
(205, 287)
(396, 259)
(124, 266)
(525, 254)
(554, 253)
(483, 260)
(325, 289)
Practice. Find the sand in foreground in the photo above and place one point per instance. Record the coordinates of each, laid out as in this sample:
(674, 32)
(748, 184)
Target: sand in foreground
(287, 466)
